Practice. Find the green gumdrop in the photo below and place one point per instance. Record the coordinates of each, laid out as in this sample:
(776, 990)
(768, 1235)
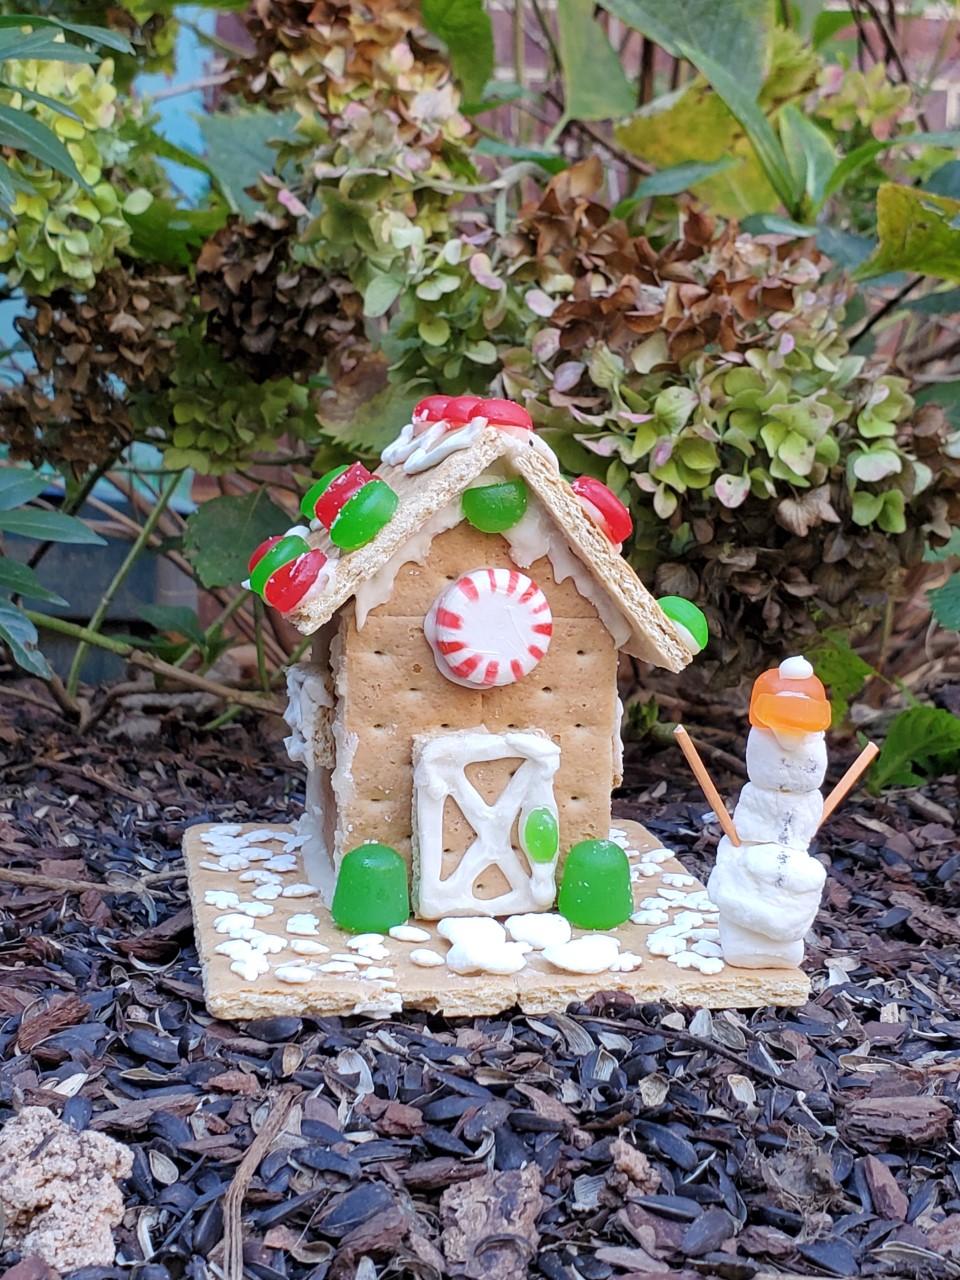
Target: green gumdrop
(281, 553)
(491, 508)
(308, 504)
(372, 893)
(363, 516)
(687, 616)
(540, 835)
(595, 889)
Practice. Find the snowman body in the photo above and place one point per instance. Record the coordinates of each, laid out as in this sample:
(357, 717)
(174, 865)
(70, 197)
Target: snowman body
(768, 888)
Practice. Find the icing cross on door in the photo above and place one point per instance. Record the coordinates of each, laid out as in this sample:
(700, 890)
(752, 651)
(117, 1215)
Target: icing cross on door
(441, 763)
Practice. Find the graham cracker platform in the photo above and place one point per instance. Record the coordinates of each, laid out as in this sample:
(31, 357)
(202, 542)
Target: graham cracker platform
(538, 988)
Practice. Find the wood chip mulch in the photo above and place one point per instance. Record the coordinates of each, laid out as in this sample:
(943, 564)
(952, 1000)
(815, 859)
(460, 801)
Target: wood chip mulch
(609, 1140)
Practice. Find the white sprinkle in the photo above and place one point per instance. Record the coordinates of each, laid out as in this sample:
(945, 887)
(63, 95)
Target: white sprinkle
(338, 966)
(352, 957)
(481, 929)
(378, 972)
(704, 947)
(235, 948)
(409, 933)
(655, 855)
(267, 892)
(690, 960)
(539, 929)
(590, 954)
(255, 908)
(221, 829)
(261, 835)
(655, 904)
(281, 862)
(211, 866)
(674, 896)
(298, 890)
(473, 955)
(293, 973)
(663, 943)
(425, 958)
(251, 966)
(626, 962)
(361, 941)
(221, 898)
(256, 876)
(234, 862)
(307, 947)
(234, 924)
(641, 869)
(304, 923)
(649, 916)
(270, 943)
(677, 878)
(258, 855)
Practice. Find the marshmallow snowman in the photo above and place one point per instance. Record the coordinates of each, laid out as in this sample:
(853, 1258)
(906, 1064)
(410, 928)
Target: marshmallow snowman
(768, 888)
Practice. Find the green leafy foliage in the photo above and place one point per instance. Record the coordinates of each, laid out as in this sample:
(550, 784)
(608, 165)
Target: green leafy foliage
(918, 232)
(843, 672)
(19, 634)
(921, 743)
(595, 87)
(222, 534)
(465, 28)
(48, 526)
(238, 150)
(945, 603)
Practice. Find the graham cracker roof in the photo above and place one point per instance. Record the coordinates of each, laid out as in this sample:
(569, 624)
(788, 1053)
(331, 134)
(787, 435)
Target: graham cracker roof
(653, 637)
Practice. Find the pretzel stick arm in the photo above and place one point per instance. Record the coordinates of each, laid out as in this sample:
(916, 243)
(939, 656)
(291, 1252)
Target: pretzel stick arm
(850, 779)
(699, 769)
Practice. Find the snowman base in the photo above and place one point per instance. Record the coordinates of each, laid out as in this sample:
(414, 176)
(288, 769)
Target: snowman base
(298, 981)
(746, 949)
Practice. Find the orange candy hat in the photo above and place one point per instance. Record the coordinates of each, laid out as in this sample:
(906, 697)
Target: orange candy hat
(789, 699)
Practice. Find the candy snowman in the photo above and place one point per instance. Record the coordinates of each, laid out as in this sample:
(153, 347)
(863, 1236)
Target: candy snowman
(768, 887)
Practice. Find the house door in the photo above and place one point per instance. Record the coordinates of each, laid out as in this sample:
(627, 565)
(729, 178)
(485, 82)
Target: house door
(472, 791)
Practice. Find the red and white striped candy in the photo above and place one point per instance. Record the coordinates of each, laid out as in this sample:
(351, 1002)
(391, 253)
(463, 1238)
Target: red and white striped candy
(491, 627)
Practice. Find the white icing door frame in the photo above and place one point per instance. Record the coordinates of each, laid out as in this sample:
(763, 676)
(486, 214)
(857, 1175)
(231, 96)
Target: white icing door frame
(439, 773)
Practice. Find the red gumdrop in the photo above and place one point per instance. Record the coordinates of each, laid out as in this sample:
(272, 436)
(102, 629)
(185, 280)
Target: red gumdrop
(290, 583)
(505, 413)
(461, 409)
(430, 409)
(262, 550)
(617, 523)
(339, 491)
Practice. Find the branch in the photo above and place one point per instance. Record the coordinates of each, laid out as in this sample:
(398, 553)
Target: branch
(137, 658)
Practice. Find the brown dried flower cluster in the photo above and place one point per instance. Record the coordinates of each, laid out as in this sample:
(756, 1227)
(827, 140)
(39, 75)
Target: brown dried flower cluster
(93, 351)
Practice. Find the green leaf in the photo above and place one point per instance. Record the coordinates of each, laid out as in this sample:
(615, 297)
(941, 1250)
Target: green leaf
(828, 23)
(465, 28)
(41, 46)
(923, 741)
(48, 526)
(176, 619)
(97, 35)
(380, 295)
(946, 395)
(434, 331)
(595, 87)
(674, 179)
(809, 153)
(945, 181)
(940, 303)
(732, 33)
(19, 579)
(19, 634)
(18, 486)
(222, 533)
(842, 671)
(918, 232)
(165, 233)
(945, 603)
(238, 149)
(765, 224)
(857, 159)
(21, 131)
(547, 160)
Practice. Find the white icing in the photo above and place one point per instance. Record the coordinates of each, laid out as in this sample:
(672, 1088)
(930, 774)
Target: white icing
(211, 866)
(380, 973)
(299, 890)
(499, 625)
(353, 957)
(380, 1005)
(617, 741)
(308, 698)
(378, 589)
(471, 929)
(475, 955)
(269, 943)
(441, 773)
(665, 943)
(338, 966)
(649, 916)
(540, 929)
(256, 876)
(795, 669)
(418, 450)
(235, 948)
(250, 967)
(360, 941)
(626, 962)
(692, 960)
(409, 933)
(234, 924)
(267, 892)
(282, 862)
(593, 953)
(254, 908)
(677, 878)
(426, 958)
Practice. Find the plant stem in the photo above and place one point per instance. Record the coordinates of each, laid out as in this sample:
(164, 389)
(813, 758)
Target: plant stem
(157, 666)
(890, 305)
(73, 678)
(258, 634)
(226, 613)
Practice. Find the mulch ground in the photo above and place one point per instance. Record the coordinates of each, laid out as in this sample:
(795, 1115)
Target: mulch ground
(608, 1140)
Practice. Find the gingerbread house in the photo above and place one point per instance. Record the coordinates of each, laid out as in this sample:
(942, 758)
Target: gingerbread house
(464, 672)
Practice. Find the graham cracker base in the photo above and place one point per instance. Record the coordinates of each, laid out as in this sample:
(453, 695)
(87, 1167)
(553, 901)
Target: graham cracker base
(538, 988)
